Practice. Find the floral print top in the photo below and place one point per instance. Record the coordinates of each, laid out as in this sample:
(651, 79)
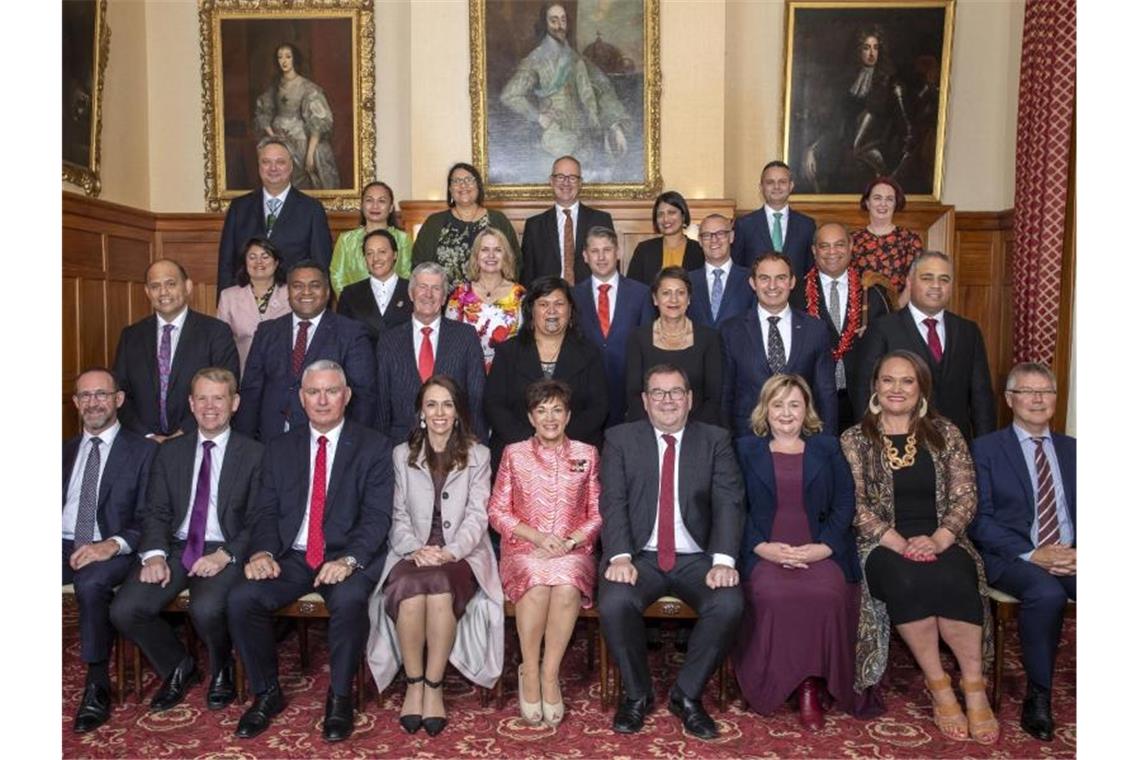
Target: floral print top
(495, 321)
(454, 245)
(889, 254)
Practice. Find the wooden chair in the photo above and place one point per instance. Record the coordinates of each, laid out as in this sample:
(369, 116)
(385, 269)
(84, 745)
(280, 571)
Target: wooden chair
(593, 635)
(118, 655)
(1005, 613)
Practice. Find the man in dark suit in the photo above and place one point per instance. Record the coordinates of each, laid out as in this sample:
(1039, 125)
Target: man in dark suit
(283, 347)
(381, 300)
(296, 223)
(546, 248)
(194, 536)
(429, 345)
(672, 517)
(775, 226)
(951, 346)
(320, 522)
(719, 281)
(610, 307)
(157, 356)
(773, 337)
(833, 293)
(1026, 528)
(105, 472)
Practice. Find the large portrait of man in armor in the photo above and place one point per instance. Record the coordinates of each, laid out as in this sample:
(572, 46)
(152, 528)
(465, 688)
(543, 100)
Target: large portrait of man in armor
(866, 95)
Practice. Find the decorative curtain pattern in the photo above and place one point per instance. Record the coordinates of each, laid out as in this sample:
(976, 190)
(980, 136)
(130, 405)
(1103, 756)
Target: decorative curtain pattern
(1046, 98)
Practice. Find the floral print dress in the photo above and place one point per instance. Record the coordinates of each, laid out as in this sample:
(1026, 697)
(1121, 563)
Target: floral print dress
(495, 321)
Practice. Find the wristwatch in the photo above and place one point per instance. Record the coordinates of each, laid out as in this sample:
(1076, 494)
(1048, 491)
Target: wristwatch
(350, 561)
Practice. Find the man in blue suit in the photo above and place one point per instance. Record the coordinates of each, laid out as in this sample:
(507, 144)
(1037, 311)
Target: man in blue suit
(296, 223)
(720, 288)
(283, 347)
(610, 307)
(105, 471)
(775, 226)
(771, 338)
(1026, 528)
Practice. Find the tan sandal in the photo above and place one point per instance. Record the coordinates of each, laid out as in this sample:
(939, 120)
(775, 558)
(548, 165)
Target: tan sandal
(531, 711)
(984, 726)
(948, 717)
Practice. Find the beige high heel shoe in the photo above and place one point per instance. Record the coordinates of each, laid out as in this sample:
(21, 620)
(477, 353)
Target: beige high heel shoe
(553, 712)
(531, 711)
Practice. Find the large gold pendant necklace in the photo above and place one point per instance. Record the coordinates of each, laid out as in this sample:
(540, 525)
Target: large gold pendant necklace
(910, 452)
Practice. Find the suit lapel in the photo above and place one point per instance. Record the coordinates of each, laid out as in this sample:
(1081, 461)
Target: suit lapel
(624, 309)
(766, 467)
(189, 332)
(345, 450)
(321, 336)
(797, 338)
(1016, 462)
(588, 312)
(953, 339)
(1067, 459)
(756, 338)
(918, 340)
(651, 467)
(150, 355)
(230, 465)
(70, 452)
(765, 233)
(116, 460)
(813, 466)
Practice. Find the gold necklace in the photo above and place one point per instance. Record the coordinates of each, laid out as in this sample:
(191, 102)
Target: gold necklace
(893, 459)
(659, 326)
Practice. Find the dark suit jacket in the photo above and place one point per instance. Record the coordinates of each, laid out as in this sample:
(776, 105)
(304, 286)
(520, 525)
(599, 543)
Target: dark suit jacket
(458, 355)
(829, 499)
(516, 366)
(541, 245)
(301, 231)
(711, 493)
(1007, 502)
(647, 256)
(962, 390)
(122, 489)
(204, 342)
(270, 391)
(738, 296)
(632, 309)
(172, 480)
(357, 301)
(746, 367)
(752, 238)
(358, 502)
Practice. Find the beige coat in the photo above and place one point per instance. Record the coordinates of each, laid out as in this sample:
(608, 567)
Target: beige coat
(478, 649)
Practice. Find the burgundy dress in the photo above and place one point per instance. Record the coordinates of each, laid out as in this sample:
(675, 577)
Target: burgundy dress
(797, 623)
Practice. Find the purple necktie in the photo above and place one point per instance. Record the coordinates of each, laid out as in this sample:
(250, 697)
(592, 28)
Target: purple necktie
(196, 533)
(164, 376)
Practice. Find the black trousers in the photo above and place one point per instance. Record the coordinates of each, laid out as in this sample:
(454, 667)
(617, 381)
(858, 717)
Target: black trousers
(137, 609)
(94, 588)
(1043, 599)
(252, 604)
(846, 411)
(621, 608)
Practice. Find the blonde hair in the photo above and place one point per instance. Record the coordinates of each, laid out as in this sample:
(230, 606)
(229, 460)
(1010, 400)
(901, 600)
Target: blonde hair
(777, 385)
(471, 270)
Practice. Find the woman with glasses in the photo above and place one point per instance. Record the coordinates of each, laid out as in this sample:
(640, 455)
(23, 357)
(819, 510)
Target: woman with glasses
(673, 249)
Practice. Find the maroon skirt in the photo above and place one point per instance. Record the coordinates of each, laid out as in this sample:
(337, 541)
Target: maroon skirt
(406, 581)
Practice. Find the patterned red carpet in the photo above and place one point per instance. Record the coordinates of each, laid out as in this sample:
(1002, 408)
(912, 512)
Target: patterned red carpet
(906, 731)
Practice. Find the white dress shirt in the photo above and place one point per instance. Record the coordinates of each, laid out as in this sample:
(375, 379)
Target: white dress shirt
(612, 294)
(301, 542)
(179, 322)
(726, 267)
(382, 290)
(560, 218)
(919, 316)
(75, 483)
(825, 283)
(266, 195)
(1029, 452)
(784, 326)
(418, 337)
(785, 212)
(313, 322)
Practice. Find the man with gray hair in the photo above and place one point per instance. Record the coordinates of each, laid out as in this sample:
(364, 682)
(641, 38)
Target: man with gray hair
(296, 223)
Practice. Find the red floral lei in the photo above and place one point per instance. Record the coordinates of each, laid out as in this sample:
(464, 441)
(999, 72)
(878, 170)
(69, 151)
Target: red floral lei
(854, 305)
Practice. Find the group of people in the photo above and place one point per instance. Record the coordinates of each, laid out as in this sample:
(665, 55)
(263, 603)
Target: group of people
(369, 453)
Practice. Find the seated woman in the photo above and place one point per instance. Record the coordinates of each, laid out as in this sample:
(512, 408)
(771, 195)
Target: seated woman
(545, 506)
(260, 293)
(675, 339)
(915, 494)
(377, 212)
(440, 567)
(881, 246)
(490, 300)
(381, 299)
(798, 563)
(673, 248)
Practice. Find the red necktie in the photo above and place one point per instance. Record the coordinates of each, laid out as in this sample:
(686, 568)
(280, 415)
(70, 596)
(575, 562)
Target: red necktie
(604, 309)
(300, 346)
(666, 542)
(427, 359)
(568, 248)
(315, 543)
(932, 339)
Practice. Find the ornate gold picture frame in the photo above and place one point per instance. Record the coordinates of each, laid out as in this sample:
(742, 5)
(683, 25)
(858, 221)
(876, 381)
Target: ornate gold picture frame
(866, 91)
(301, 70)
(86, 43)
(580, 77)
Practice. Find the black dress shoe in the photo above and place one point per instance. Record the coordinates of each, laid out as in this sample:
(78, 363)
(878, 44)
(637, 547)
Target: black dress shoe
(630, 715)
(1037, 714)
(222, 691)
(692, 714)
(94, 708)
(174, 686)
(338, 718)
(256, 718)
(436, 723)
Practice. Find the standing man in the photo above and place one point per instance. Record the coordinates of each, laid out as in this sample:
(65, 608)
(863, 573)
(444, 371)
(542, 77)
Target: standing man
(194, 535)
(284, 346)
(672, 518)
(105, 471)
(775, 226)
(833, 293)
(553, 241)
(720, 287)
(1026, 528)
(320, 522)
(771, 338)
(610, 307)
(296, 223)
(157, 356)
(951, 346)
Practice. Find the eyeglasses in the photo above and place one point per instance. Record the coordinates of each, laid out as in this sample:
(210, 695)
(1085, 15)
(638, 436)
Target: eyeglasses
(1033, 392)
(85, 396)
(463, 181)
(718, 235)
(674, 394)
(566, 179)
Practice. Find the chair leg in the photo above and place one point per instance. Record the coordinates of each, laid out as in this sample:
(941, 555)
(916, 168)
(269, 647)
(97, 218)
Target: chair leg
(999, 655)
(303, 642)
(591, 638)
(120, 663)
(362, 683)
(722, 687)
(604, 670)
(239, 678)
(138, 669)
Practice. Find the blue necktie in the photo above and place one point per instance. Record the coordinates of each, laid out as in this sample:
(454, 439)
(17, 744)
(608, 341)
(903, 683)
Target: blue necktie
(274, 207)
(717, 291)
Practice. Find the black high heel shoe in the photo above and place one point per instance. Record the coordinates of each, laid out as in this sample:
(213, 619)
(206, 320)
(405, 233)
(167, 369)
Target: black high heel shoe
(434, 724)
(412, 723)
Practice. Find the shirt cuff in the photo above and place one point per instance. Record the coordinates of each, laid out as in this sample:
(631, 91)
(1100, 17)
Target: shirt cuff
(1027, 555)
(152, 553)
(724, 559)
(623, 555)
(124, 547)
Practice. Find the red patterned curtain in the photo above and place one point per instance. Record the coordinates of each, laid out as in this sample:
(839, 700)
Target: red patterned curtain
(1046, 99)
